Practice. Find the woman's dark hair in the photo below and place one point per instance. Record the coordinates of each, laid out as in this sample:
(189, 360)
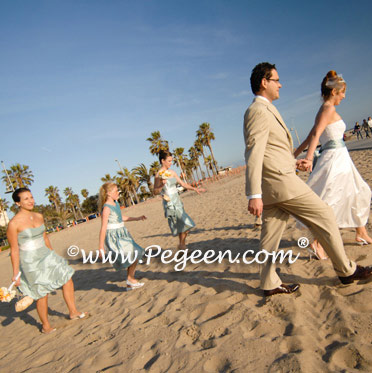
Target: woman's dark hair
(164, 154)
(17, 192)
(260, 71)
(331, 81)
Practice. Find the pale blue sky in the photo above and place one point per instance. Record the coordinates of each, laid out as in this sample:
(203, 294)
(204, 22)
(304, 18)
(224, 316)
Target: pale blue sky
(86, 82)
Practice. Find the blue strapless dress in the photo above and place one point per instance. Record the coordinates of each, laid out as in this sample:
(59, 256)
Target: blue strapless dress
(178, 220)
(119, 241)
(43, 271)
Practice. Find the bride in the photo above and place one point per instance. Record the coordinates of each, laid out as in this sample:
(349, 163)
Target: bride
(334, 177)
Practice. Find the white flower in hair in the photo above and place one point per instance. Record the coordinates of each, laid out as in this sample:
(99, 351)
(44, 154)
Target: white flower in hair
(335, 81)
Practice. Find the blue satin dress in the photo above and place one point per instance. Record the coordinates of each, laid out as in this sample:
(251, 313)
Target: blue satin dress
(178, 220)
(43, 271)
(118, 241)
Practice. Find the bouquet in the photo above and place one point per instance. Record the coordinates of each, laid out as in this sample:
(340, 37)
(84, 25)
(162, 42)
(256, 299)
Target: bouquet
(165, 174)
(7, 294)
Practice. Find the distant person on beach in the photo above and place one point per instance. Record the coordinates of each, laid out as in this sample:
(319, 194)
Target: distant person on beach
(365, 126)
(334, 177)
(165, 184)
(275, 191)
(370, 123)
(114, 236)
(42, 270)
(358, 131)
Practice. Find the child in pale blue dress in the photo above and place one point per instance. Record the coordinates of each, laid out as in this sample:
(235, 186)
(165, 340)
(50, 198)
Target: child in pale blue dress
(114, 237)
(166, 179)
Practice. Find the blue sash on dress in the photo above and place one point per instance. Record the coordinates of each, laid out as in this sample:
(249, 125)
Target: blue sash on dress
(331, 144)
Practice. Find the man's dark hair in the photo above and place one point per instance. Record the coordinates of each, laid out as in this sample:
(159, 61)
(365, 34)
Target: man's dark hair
(260, 71)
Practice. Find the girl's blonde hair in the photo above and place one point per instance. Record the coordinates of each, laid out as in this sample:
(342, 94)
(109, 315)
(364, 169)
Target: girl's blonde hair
(103, 191)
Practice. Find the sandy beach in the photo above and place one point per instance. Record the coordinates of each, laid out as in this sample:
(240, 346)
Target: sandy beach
(206, 318)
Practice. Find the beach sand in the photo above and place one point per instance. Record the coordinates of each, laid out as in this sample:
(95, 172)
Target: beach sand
(206, 318)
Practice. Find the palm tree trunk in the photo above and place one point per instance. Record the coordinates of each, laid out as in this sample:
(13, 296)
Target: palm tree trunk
(131, 198)
(56, 206)
(73, 210)
(205, 163)
(213, 160)
(193, 176)
(135, 194)
(206, 167)
(201, 173)
(80, 213)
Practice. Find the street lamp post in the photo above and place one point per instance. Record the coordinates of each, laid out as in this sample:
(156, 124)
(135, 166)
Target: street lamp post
(295, 131)
(9, 188)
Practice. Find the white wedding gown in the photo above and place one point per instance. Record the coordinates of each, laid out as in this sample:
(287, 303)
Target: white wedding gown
(338, 183)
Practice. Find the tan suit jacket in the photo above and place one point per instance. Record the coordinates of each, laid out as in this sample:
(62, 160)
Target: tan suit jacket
(271, 167)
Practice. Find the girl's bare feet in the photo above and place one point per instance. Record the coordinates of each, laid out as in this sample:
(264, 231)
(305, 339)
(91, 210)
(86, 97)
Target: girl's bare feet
(48, 331)
(78, 315)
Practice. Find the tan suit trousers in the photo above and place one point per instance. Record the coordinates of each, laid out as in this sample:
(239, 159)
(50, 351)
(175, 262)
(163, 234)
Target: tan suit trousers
(318, 217)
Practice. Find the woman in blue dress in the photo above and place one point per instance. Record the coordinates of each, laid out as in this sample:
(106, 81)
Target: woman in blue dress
(165, 184)
(42, 270)
(114, 237)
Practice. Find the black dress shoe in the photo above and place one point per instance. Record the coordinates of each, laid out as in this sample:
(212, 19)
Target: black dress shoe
(282, 289)
(361, 273)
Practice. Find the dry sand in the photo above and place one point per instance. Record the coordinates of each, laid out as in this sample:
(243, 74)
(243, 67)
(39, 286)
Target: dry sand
(207, 318)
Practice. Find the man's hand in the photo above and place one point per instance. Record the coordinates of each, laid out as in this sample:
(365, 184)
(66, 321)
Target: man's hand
(304, 165)
(255, 206)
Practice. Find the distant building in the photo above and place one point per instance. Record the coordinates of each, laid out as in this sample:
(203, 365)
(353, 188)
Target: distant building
(4, 220)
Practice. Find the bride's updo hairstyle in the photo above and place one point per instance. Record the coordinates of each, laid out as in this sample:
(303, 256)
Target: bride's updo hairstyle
(164, 154)
(332, 81)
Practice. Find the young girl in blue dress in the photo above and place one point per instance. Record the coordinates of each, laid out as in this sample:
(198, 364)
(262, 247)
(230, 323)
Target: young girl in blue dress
(114, 236)
(165, 184)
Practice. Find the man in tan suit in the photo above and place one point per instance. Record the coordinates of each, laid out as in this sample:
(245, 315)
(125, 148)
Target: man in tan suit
(274, 189)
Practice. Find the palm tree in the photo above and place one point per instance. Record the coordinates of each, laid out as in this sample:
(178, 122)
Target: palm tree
(70, 201)
(209, 161)
(189, 167)
(52, 193)
(20, 176)
(144, 194)
(14, 208)
(107, 178)
(157, 143)
(154, 168)
(199, 147)
(63, 214)
(125, 194)
(76, 201)
(179, 159)
(194, 157)
(144, 176)
(132, 181)
(207, 136)
(84, 193)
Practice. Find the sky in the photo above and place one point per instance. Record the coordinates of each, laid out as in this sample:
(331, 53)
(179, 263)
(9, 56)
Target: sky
(83, 83)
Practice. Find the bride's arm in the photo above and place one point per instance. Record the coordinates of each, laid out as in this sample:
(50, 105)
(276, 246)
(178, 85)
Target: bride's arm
(301, 148)
(321, 122)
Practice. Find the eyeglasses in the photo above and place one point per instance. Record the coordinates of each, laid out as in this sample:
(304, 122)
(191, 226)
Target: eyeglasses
(274, 80)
